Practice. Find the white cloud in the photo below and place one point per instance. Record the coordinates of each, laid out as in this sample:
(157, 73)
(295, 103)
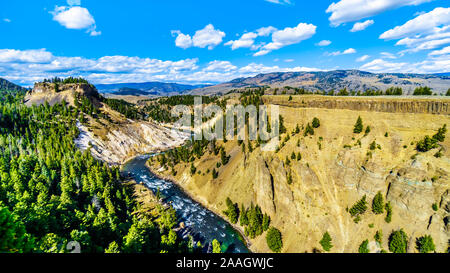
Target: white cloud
(429, 65)
(266, 31)
(289, 60)
(324, 43)
(220, 66)
(388, 55)
(75, 18)
(7, 20)
(353, 10)
(445, 50)
(206, 37)
(288, 36)
(363, 58)
(422, 24)
(183, 40)
(362, 25)
(74, 2)
(345, 52)
(28, 66)
(25, 56)
(427, 31)
(281, 2)
(247, 40)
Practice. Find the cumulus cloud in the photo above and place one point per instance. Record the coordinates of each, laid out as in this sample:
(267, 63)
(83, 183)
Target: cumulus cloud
(427, 31)
(422, 24)
(362, 25)
(75, 17)
(345, 52)
(7, 20)
(28, 66)
(220, 66)
(183, 40)
(353, 10)
(429, 65)
(363, 58)
(247, 40)
(25, 56)
(266, 31)
(207, 37)
(288, 36)
(324, 43)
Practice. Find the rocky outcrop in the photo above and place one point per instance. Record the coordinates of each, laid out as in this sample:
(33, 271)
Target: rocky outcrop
(331, 177)
(47, 92)
(114, 139)
(129, 140)
(390, 105)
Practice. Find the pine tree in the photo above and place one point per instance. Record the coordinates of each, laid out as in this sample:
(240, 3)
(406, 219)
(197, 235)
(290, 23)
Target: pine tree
(398, 241)
(378, 204)
(358, 126)
(364, 247)
(325, 242)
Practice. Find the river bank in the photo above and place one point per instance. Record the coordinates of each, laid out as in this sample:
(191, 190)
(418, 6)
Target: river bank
(202, 224)
(237, 227)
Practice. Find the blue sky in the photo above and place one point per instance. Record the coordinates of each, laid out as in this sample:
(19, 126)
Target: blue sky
(203, 41)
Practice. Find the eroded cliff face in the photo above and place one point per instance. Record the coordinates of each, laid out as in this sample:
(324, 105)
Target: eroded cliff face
(129, 140)
(113, 140)
(397, 105)
(46, 92)
(331, 178)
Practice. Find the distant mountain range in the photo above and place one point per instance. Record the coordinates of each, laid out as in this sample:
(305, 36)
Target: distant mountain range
(7, 85)
(335, 80)
(147, 88)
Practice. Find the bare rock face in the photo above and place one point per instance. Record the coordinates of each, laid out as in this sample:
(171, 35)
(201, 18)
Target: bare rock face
(119, 140)
(47, 92)
(390, 105)
(263, 186)
(129, 140)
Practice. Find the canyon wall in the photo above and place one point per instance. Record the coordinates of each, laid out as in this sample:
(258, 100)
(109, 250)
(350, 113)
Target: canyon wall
(383, 104)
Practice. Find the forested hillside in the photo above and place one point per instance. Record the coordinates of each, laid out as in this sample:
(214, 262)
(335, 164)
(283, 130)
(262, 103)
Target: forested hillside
(51, 193)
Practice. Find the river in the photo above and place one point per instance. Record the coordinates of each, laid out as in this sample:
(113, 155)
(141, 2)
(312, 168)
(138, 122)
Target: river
(201, 223)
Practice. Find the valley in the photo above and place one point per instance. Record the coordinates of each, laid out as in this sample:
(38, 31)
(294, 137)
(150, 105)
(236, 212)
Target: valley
(310, 196)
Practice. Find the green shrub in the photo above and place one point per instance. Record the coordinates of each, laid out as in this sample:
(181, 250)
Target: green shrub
(379, 237)
(423, 91)
(425, 244)
(326, 242)
(308, 130)
(232, 211)
(215, 174)
(426, 144)
(378, 204)
(364, 247)
(434, 207)
(216, 246)
(398, 241)
(274, 240)
(243, 216)
(316, 123)
(359, 208)
(358, 126)
(388, 208)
